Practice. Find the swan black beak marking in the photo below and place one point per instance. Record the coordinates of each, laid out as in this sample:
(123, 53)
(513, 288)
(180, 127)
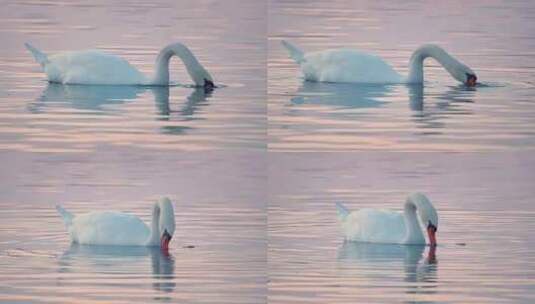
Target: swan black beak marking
(209, 85)
(164, 241)
(471, 80)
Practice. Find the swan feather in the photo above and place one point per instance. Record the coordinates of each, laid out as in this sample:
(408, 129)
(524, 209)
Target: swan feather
(94, 67)
(354, 66)
(388, 226)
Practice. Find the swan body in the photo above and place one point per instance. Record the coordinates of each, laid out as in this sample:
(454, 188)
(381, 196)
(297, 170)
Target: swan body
(354, 66)
(391, 227)
(93, 67)
(121, 229)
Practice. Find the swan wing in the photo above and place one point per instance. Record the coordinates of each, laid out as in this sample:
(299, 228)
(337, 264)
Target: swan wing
(375, 226)
(92, 67)
(347, 65)
(109, 228)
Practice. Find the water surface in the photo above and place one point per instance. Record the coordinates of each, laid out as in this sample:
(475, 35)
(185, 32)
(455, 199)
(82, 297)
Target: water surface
(227, 37)
(495, 38)
(486, 219)
(217, 196)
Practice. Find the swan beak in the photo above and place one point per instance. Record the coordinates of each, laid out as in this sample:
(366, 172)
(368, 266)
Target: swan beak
(471, 80)
(209, 85)
(431, 231)
(164, 241)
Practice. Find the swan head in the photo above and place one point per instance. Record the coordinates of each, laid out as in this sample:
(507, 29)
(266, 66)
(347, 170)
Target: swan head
(427, 214)
(166, 222)
(464, 74)
(209, 84)
(471, 80)
(458, 70)
(203, 79)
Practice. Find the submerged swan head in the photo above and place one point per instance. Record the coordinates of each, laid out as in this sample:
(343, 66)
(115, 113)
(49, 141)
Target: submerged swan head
(426, 213)
(165, 215)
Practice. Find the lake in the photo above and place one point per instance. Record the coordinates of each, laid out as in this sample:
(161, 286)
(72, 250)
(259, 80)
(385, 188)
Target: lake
(255, 166)
(485, 251)
(493, 37)
(229, 40)
(218, 251)
(96, 148)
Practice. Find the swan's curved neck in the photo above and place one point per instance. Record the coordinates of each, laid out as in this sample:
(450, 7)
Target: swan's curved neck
(416, 68)
(414, 230)
(196, 71)
(154, 238)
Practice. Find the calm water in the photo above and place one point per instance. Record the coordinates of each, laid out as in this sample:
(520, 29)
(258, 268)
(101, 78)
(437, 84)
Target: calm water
(121, 148)
(486, 251)
(495, 38)
(217, 196)
(229, 39)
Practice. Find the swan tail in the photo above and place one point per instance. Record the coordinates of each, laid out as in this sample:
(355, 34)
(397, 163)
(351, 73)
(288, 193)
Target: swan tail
(66, 215)
(295, 53)
(39, 56)
(342, 212)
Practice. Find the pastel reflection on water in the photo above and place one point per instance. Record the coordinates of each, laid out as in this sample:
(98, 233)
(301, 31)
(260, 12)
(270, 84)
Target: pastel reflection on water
(108, 259)
(367, 259)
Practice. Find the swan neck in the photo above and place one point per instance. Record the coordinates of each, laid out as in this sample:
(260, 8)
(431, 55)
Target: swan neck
(414, 230)
(416, 68)
(154, 238)
(195, 70)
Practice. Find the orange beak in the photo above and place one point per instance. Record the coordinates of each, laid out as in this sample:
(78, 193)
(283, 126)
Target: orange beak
(431, 231)
(164, 241)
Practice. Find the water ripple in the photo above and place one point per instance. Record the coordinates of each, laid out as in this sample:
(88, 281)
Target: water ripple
(442, 117)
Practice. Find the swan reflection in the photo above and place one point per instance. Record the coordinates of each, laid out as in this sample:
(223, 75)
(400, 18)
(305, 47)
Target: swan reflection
(84, 97)
(444, 101)
(379, 261)
(373, 95)
(124, 259)
(342, 94)
(96, 98)
(197, 99)
(446, 104)
(429, 110)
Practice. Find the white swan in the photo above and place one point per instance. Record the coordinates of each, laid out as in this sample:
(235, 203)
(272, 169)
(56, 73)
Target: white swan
(121, 229)
(353, 66)
(98, 68)
(385, 226)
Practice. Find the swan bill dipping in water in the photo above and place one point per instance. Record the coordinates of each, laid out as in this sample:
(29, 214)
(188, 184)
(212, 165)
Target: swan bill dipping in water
(353, 66)
(93, 67)
(121, 229)
(391, 227)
